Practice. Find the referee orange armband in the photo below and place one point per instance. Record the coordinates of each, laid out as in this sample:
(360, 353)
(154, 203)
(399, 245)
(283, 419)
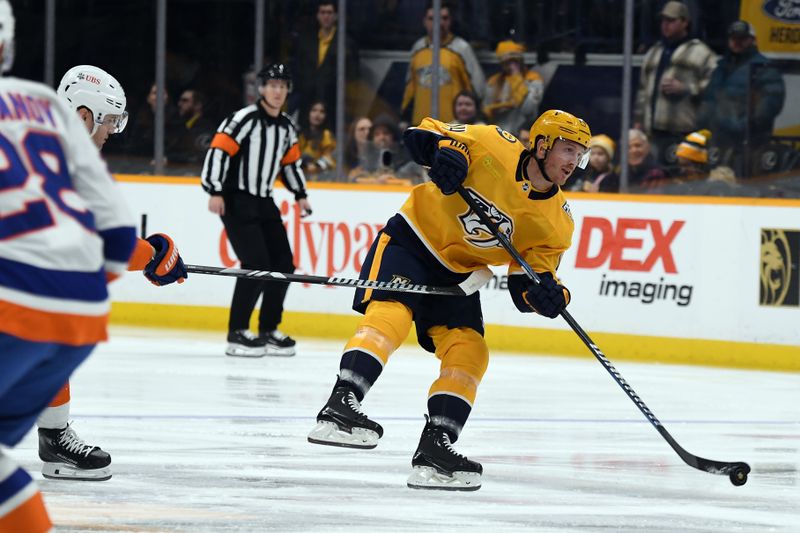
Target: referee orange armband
(226, 143)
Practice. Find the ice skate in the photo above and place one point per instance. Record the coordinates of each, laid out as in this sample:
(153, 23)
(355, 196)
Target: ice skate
(67, 456)
(341, 423)
(278, 343)
(437, 466)
(244, 343)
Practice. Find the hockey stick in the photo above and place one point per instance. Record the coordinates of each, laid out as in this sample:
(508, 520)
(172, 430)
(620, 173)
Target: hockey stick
(736, 472)
(474, 282)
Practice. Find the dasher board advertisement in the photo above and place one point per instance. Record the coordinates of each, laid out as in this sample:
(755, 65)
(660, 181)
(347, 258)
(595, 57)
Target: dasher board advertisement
(676, 267)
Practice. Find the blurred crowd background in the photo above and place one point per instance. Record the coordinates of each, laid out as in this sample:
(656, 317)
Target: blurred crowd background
(502, 62)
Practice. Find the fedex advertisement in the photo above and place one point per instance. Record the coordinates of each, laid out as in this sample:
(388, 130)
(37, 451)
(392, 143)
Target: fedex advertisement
(661, 266)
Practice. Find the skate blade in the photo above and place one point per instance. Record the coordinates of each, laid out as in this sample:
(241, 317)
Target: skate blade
(426, 477)
(329, 434)
(237, 350)
(70, 473)
(281, 352)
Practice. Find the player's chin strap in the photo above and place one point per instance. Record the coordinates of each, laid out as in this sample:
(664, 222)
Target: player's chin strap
(540, 162)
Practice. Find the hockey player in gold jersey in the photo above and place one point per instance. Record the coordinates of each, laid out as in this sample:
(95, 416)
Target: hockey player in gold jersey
(437, 239)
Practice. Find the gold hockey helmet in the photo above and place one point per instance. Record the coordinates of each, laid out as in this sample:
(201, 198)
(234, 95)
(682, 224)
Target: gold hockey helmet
(555, 124)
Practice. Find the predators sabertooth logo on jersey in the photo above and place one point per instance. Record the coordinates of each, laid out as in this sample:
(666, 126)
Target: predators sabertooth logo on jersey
(478, 234)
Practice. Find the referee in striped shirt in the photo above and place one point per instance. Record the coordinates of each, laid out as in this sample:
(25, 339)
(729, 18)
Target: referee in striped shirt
(250, 149)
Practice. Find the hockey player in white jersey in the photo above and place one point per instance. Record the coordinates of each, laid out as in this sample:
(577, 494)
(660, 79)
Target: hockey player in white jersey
(64, 232)
(99, 101)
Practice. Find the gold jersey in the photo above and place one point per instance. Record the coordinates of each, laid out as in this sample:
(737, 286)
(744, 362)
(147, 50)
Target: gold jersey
(539, 224)
(458, 70)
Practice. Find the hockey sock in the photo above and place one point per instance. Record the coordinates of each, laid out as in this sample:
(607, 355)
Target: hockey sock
(465, 357)
(450, 412)
(56, 415)
(385, 326)
(21, 504)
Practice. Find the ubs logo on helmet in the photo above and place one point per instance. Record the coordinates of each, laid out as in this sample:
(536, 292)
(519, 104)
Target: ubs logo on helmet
(783, 10)
(89, 78)
(477, 233)
(780, 266)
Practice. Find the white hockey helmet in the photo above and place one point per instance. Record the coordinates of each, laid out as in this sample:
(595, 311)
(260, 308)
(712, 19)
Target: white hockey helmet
(99, 92)
(7, 24)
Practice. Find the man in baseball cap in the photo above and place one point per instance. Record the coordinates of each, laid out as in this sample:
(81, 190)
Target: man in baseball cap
(675, 10)
(741, 28)
(742, 99)
(674, 73)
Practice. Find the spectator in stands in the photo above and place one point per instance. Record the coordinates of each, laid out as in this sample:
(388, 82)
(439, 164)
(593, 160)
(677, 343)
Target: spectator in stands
(692, 156)
(693, 175)
(513, 94)
(524, 136)
(315, 62)
(317, 144)
(675, 72)
(360, 154)
(459, 70)
(723, 174)
(467, 109)
(743, 98)
(395, 165)
(643, 171)
(599, 175)
(144, 124)
(191, 136)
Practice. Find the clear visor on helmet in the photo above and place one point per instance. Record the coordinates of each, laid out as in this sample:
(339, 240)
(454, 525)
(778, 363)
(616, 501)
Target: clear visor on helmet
(114, 123)
(583, 160)
(581, 154)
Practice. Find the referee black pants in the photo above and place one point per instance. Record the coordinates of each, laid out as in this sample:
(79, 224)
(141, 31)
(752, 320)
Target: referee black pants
(256, 232)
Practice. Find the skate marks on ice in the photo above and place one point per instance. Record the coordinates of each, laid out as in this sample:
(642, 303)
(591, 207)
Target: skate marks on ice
(203, 442)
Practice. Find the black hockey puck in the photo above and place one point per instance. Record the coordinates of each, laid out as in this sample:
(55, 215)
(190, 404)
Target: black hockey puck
(738, 477)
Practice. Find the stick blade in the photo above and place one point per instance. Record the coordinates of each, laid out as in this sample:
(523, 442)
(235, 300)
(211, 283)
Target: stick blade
(736, 471)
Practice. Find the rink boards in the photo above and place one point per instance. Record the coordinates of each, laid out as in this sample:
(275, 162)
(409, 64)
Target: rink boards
(674, 279)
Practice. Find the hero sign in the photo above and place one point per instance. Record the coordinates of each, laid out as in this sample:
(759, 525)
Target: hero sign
(614, 243)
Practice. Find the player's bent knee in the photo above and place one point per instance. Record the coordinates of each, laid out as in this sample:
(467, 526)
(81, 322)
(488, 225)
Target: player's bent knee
(386, 321)
(462, 348)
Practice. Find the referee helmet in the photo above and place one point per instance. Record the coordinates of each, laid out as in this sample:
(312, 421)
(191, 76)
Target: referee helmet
(275, 71)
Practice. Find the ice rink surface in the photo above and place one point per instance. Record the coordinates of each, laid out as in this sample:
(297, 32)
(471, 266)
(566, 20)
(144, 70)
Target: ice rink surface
(204, 442)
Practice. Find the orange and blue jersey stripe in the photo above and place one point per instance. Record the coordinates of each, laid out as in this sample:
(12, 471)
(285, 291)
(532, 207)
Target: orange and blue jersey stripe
(45, 305)
(21, 505)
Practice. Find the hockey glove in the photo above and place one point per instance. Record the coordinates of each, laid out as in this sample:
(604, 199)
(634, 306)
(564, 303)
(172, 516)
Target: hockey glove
(547, 298)
(166, 266)
(449, 168)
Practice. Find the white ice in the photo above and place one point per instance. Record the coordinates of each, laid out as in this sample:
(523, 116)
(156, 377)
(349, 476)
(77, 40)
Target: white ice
(204, 442)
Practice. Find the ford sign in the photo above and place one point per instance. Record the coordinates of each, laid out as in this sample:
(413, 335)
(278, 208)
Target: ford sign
(783, 10)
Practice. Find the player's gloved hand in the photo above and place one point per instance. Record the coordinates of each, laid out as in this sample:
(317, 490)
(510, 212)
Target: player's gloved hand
(449, 168)
(547, 298)
(166, 266)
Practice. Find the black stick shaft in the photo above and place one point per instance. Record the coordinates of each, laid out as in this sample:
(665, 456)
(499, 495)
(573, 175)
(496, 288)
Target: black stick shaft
(280, 277)
(708, 465)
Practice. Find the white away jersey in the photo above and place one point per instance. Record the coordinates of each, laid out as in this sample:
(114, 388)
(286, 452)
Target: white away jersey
(63, 223)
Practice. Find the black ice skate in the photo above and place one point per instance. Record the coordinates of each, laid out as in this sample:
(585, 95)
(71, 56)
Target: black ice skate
(341, 423)
(244, 343)
(66, 456)
(437, 466)
(278, 343)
